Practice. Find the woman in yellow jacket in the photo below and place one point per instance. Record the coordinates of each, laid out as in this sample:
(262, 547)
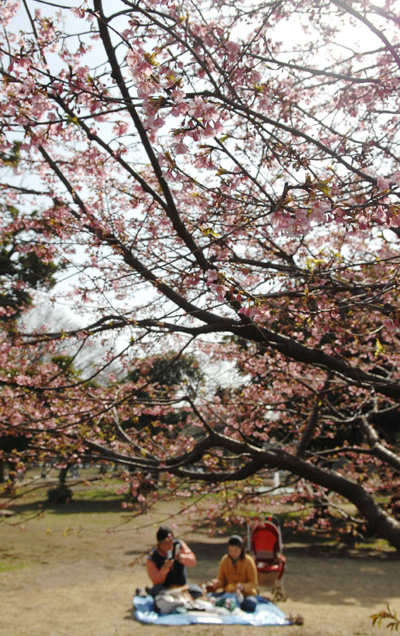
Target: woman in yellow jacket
(237, 574)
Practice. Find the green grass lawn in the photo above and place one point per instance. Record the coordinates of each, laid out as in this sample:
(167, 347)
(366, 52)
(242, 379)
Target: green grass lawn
(95, 502)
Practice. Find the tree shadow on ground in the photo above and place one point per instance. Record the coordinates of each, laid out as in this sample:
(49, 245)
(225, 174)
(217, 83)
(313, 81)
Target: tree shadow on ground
(339, 551)
(76, 506)
(204, 550)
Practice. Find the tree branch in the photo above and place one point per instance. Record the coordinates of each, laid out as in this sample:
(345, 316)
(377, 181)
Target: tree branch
(377, 449)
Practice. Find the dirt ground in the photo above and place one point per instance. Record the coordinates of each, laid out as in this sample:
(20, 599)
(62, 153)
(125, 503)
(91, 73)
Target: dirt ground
(58, 579)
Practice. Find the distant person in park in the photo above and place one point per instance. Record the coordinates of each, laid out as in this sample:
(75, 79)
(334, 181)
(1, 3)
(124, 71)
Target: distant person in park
(167, 562)
(237, 575)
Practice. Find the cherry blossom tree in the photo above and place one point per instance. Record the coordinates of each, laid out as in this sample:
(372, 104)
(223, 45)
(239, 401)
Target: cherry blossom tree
(220, 178)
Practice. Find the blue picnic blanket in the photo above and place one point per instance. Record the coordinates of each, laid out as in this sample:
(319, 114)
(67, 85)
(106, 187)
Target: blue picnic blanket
(266, 613)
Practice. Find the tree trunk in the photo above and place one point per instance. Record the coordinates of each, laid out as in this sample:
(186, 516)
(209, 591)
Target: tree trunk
(62, 478)
(377, 519)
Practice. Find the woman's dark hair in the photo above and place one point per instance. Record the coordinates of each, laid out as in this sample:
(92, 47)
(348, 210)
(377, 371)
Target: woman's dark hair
(238, 541)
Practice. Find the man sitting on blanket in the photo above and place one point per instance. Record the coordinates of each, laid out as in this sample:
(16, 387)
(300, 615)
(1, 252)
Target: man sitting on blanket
(167, 562)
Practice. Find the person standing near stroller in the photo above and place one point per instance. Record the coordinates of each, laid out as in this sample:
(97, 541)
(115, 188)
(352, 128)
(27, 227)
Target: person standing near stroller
(237, 575)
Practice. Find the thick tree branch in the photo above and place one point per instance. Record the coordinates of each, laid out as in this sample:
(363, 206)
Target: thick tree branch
(171, 208)
(377, 448)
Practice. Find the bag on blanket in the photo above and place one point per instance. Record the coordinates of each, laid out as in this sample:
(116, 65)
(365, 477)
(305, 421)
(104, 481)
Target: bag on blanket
(180, 600)
(167, 601)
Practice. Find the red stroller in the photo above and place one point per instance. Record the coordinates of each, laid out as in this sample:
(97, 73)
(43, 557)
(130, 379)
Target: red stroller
(266, 547)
